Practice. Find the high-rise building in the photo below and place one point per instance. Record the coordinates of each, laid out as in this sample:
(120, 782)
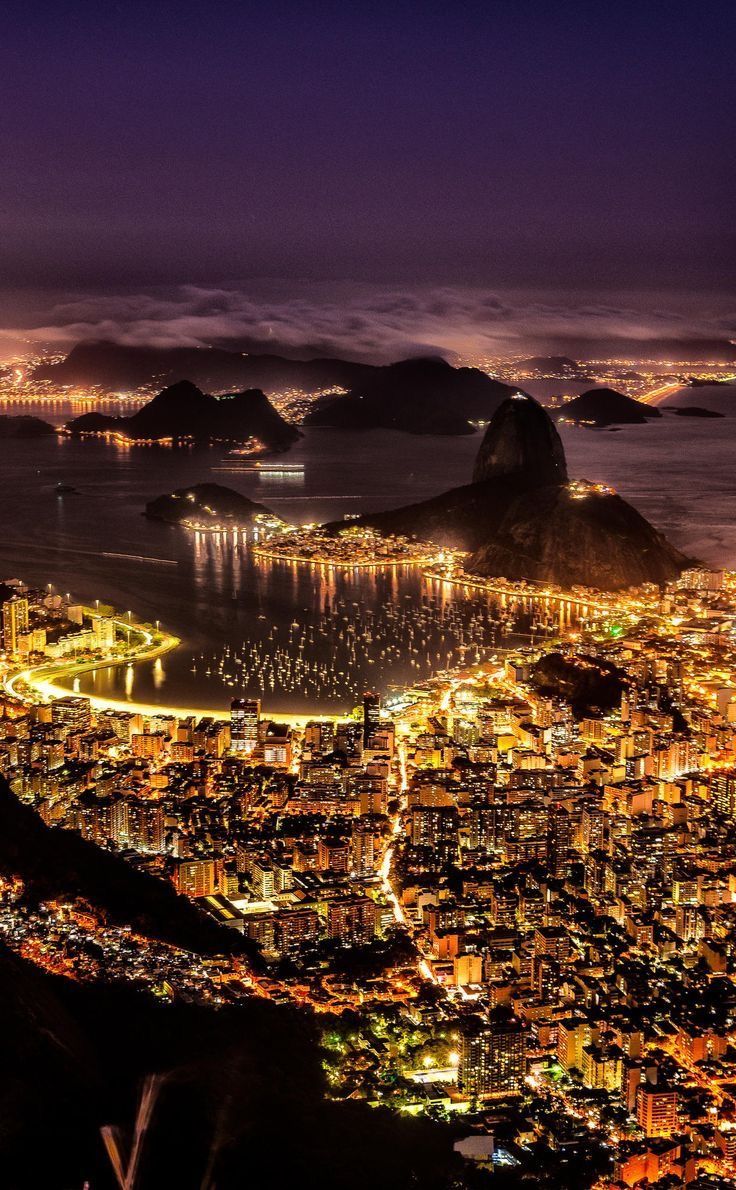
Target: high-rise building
(656, 1109)
(245, 715)
(104, 630)
(71, 714)
(145, 825)
(371, 714)
(319, 736)
(723, 791)
(333, 855)
(351, 921)
(295, 930)
(362, 849)
(436, 827)
(492, 1054)
(198, 877)
(349, 737)
(15, 621)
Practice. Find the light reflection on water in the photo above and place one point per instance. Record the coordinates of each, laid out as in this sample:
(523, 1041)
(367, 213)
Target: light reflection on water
(316, 637)
(678, 472)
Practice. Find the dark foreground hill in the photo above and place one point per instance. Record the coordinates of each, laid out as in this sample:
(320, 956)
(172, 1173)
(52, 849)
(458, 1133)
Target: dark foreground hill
(237, 1096)
(182, 411)
(206, 503)
(59, 863)
(420, 396)
(236, 1093)
(522, 519)
(607, 407)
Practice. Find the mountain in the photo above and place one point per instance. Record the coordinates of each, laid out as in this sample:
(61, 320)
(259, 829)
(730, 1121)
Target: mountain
(118, 367)
(183, 411)
(425, 396)
(520, 518)
(554, 535)
(24, 427)
(421, 396)
(607, 407)
(521, 443)
(206, 503)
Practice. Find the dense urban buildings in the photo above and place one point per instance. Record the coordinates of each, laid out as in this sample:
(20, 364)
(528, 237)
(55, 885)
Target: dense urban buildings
(534, 857)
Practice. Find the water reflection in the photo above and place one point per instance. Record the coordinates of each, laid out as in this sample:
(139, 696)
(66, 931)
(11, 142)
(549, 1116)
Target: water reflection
(303, 637)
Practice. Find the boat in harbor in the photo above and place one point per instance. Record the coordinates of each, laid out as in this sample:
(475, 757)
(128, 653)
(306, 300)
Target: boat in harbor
(265, 466)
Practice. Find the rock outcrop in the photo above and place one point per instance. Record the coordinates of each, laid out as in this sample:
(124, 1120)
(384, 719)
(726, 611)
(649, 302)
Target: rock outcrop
(521, 443)
(522, 518)
(607, 407)
(419, 396)
(182, 411)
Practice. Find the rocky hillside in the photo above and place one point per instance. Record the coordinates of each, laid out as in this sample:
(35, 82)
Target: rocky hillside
(206, 503)
(521, 518)
(420, 396)
(183, 411)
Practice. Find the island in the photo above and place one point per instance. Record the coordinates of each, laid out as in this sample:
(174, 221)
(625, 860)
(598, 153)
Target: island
(420, 396)
(600, 407)
(25, 427)
(523, 518)
(182, 413)
(208, 506)
(696, 411)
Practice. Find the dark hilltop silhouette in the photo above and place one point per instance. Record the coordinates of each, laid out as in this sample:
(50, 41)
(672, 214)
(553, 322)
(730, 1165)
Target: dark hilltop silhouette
(607, 407)
(182, 411)
(207, 503)
(117, 366)
(226, 1085)
(521, 518)
(421, 396)
(25, 427)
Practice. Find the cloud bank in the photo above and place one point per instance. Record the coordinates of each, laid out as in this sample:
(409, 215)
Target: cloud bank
(378, 324)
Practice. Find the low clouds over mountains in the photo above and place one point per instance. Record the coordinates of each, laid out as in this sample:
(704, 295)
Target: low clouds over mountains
(382, 324)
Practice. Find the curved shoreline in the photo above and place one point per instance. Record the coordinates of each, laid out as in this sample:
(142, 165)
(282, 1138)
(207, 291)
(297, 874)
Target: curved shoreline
(44, 680)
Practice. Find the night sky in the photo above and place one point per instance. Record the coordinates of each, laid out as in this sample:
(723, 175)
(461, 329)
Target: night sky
(520, 142)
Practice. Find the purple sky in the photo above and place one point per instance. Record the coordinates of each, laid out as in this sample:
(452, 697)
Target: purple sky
(376, 176)
(558, 145)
